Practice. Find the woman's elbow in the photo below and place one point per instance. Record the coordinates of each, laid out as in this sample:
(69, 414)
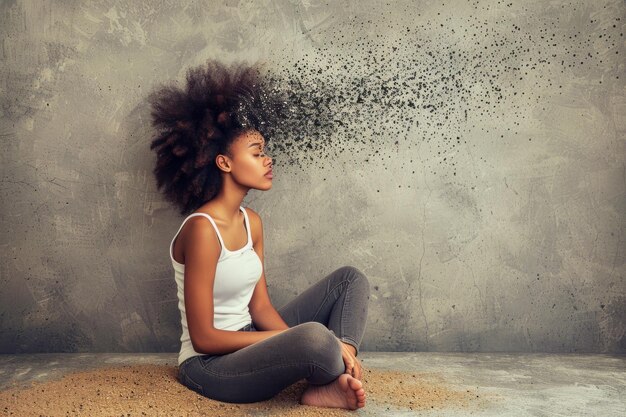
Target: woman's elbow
(203, 345)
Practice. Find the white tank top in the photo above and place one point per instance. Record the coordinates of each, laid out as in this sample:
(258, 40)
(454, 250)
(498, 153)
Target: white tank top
(236, 275)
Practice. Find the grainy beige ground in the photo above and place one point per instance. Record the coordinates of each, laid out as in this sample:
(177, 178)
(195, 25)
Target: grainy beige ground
(154, 390)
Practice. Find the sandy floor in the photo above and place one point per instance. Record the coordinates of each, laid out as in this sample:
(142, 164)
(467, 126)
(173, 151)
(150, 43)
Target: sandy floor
(154, 390)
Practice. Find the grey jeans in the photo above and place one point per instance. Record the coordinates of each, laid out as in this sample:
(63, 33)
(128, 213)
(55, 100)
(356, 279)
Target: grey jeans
(334, 306)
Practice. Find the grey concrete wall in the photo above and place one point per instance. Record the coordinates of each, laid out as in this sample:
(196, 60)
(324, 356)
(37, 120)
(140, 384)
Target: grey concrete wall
(476, 175)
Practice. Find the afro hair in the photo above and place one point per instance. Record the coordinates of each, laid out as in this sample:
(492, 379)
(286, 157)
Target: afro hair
(197, 123)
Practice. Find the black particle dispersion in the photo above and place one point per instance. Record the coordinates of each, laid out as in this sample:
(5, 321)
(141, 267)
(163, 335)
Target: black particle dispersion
(394, 83)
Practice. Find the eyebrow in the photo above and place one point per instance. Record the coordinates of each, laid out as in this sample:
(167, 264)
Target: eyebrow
(254, 144)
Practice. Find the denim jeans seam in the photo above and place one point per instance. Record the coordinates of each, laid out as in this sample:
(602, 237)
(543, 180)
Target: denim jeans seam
(343, 308)
(190, 381)
(326, 298)
(349, 339)
(278, 365)
(351, 278)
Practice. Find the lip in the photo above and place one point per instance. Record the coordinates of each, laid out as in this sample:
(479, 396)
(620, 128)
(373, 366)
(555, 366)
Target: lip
(269, 174)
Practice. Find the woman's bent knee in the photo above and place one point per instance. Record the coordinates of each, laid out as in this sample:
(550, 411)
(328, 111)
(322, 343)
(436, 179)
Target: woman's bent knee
(316, 341)
(355, 275)
(321, 349)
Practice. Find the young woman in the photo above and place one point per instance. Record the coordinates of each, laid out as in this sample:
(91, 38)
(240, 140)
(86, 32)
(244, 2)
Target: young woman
(235, 346)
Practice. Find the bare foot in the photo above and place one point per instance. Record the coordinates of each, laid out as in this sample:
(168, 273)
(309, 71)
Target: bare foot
(344, 392)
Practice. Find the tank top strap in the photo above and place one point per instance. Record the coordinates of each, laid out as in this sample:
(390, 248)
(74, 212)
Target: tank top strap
(247, 220)
(185, 221)
(219, 236)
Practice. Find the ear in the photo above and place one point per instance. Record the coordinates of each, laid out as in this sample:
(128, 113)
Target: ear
(223, 162)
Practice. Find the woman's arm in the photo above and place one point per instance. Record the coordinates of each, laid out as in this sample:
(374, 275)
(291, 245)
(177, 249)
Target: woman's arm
(201, 252)
(264, 315)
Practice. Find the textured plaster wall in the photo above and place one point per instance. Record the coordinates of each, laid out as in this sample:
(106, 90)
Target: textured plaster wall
(469, 158)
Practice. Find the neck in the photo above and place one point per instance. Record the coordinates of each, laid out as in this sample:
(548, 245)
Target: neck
(225, 205)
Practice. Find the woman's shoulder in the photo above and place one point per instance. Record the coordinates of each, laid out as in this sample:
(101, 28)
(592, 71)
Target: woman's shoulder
(196, 231)
(197, 227)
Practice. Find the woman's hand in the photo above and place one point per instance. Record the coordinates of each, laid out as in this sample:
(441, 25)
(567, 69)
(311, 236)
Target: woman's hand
(353, 365)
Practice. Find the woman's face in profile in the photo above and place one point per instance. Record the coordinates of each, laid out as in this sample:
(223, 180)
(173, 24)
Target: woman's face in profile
(250, 163)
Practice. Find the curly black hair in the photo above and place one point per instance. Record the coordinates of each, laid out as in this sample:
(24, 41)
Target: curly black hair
(194, 125)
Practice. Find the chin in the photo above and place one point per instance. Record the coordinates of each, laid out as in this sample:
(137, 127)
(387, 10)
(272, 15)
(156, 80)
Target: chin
(265, 187)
